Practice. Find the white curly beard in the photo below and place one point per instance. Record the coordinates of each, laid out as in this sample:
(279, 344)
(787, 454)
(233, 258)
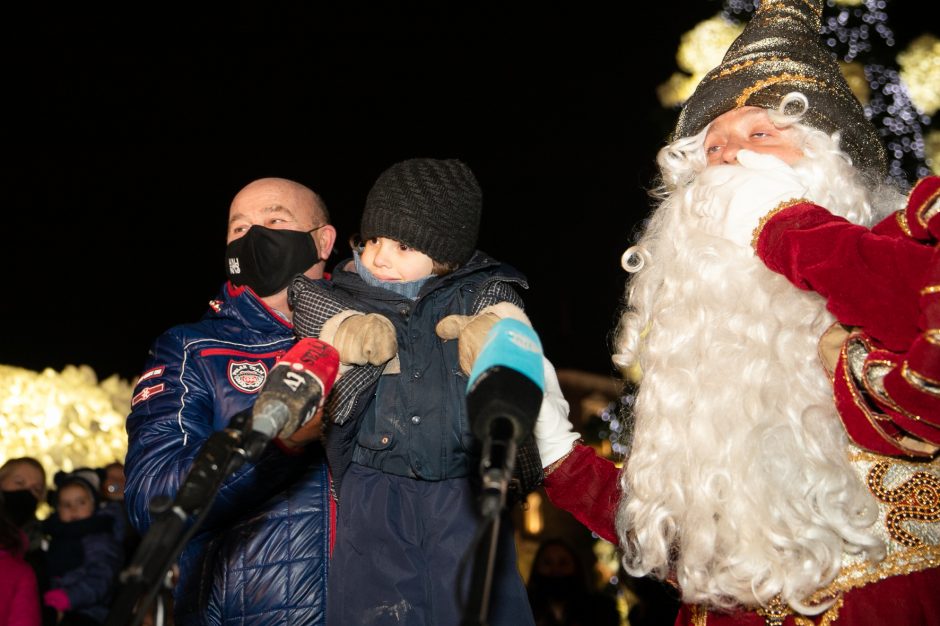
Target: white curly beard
(737, 484)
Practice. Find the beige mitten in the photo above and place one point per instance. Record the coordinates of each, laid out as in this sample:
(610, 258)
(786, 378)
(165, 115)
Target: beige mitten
(360, 338)
(470, 330)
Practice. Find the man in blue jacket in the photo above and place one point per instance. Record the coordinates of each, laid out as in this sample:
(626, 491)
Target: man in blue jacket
(261, 555)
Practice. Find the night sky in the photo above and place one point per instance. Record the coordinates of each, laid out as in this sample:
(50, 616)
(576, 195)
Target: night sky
(123, 151)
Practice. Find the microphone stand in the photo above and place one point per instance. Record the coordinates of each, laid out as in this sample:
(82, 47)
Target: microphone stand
(142, 579)
(496, 466)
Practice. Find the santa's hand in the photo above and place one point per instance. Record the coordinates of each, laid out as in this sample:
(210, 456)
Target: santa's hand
(767, 183)
(554, 433)
(470, 330)
(360, 338)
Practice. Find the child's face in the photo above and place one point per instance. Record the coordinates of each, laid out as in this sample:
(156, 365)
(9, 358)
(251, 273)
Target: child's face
(75, 503)
(392, 261)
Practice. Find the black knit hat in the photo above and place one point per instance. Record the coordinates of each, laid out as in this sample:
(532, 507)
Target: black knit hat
(431, 205)
(780, 51)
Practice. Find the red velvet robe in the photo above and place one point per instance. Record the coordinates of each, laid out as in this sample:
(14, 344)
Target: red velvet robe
(884, 284)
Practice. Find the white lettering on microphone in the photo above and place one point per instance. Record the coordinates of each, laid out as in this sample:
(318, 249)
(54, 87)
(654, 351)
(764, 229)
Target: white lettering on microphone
(523, 342)
(293, 380)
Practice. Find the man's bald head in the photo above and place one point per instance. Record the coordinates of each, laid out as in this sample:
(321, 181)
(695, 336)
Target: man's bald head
(304, 204)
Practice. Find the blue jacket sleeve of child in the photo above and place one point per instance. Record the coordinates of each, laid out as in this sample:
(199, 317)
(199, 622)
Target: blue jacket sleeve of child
(92, 584)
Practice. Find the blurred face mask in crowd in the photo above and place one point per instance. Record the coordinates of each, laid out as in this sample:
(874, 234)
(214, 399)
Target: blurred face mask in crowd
(24, 476)
(556, 573)
(19, 506)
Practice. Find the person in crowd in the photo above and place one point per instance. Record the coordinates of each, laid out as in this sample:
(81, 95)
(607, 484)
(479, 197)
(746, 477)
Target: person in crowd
(112, 502)
(408, 513)
(260, 556)
(84, 558)
(783, 308)
(23, 484)
(19, 591)
(561, 593)
(112, 481)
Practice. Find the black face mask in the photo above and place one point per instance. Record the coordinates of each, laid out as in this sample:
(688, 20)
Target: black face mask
(557, 587)
(266, 259)
(19, 506)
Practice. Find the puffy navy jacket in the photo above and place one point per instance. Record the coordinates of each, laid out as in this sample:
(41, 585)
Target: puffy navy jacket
(261, 555)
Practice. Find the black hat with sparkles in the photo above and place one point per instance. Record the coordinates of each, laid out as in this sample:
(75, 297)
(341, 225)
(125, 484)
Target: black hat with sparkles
(780, 51)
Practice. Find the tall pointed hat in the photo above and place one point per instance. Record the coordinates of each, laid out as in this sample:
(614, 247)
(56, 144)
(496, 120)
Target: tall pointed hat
(779, 52)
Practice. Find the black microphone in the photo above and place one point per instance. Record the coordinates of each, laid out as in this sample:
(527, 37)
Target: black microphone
(292, 394)
(504, 396)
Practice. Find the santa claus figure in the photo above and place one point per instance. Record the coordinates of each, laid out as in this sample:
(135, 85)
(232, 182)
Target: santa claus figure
(784, 308)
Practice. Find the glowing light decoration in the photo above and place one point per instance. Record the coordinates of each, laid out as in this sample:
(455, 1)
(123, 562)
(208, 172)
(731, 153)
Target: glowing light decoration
(700, 49)
(64, 419)
(920, 72)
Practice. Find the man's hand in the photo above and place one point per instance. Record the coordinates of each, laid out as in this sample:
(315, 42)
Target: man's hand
(311, 431)
(470, 330)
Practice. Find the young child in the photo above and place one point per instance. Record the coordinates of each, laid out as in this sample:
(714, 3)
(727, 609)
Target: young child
(407, 511)
(84, 557)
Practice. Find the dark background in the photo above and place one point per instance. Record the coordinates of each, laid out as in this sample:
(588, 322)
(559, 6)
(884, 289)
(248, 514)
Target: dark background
(127, 134)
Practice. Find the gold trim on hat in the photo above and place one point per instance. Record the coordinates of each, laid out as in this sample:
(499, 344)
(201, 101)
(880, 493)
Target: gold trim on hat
(737, 67)
(773, 80)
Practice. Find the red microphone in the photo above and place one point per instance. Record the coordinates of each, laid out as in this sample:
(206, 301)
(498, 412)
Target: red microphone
(295, 388)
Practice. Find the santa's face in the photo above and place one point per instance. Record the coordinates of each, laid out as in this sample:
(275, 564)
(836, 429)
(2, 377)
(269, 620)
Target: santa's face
(749, 128)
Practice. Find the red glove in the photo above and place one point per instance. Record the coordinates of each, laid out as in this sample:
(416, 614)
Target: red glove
(57, 599)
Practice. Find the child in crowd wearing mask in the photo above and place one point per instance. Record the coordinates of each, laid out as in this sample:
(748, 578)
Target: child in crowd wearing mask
(401, 451)
(84, 557)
